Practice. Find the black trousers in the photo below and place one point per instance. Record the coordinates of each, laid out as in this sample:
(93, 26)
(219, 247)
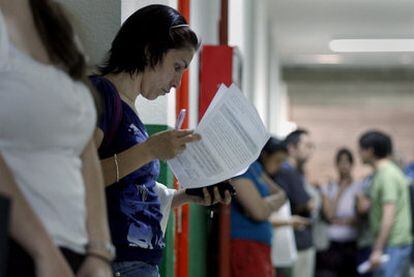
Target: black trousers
(20, 263)
(338, 261)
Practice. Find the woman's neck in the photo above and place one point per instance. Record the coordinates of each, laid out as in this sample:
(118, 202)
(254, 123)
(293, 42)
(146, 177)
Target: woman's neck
(345, 179)
(126, 85)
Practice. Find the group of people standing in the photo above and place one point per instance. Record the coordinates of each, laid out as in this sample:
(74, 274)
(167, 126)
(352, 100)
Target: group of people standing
(337, 225)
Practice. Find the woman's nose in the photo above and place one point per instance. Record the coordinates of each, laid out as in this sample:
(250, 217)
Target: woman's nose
(177, 81)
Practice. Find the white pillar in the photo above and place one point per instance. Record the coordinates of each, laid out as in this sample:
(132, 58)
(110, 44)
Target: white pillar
(96, 23)
(207, 29)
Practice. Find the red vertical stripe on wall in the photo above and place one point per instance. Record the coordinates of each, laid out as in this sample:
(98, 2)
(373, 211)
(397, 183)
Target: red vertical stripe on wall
(182, 100)
(216, 65)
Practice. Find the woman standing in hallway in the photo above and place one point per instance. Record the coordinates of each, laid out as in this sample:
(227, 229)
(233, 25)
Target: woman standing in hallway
(53, 177)
(148, 56)
(257, 197)
(339, 209)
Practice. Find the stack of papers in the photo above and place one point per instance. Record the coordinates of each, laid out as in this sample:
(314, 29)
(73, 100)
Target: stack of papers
(233, 136)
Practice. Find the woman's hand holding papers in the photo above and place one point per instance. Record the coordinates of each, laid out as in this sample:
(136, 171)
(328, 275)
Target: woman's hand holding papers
(166, 145)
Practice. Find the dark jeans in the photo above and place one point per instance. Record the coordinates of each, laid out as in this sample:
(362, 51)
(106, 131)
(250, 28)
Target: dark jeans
(21, 263)
(363, 255)
(338, 261)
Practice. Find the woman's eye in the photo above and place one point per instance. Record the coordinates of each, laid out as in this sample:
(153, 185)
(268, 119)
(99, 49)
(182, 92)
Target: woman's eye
(177, 67)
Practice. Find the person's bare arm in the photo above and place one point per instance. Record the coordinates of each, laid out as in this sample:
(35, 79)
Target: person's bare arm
(327, 207)
(255, 206)
(162, 146)
(387, 221)
(97, 223)
(297, 222)
(128, 160)
(24, 223)
(363, 204)
(278, 195)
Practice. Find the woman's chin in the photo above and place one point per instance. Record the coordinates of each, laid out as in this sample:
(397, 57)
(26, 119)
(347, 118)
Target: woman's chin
(151, 96)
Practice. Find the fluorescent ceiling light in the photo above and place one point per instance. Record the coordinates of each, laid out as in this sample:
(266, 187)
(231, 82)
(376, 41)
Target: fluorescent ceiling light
(372, 45)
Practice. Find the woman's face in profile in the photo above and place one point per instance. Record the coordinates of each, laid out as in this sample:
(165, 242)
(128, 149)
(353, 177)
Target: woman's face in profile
(166, 74)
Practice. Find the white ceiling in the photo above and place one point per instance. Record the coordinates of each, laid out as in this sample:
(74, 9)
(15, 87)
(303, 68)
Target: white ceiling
(302, 29)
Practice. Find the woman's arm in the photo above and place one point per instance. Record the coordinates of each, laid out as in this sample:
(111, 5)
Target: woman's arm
(278, 195)
(255, 206)
(99, 257)
(297, 222)
(162, 146)
(25, 223)
(328, 207)
(128, 161)
(363, 204)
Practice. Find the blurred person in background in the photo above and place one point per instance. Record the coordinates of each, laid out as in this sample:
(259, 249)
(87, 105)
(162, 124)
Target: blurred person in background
(292, 179)
(389, 211)
(257, 197)
(339, 210)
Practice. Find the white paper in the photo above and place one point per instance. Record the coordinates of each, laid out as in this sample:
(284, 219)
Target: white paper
(233, 136)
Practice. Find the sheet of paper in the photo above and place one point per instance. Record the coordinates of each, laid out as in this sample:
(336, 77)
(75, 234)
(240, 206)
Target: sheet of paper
(223, 88)
(233, 136)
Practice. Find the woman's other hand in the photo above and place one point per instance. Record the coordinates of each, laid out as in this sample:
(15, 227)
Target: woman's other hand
(181, 198)
(207, 200)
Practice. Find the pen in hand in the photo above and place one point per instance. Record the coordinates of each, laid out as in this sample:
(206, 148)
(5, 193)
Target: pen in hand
(180, 119)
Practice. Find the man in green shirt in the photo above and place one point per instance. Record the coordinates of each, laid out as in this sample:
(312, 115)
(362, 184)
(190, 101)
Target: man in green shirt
(389, 214)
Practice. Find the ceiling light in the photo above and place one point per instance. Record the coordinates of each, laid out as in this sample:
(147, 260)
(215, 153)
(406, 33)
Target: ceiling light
(372, 45)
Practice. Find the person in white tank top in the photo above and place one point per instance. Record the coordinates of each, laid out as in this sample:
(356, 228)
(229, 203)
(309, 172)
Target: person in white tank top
(48, 160)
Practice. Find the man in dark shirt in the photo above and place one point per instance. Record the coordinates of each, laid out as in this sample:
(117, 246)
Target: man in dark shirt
(291, 178)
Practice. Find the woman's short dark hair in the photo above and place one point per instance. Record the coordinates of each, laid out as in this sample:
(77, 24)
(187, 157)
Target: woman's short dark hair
(344, 152)
(145, 37)
(380, 142)
(272, 146)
